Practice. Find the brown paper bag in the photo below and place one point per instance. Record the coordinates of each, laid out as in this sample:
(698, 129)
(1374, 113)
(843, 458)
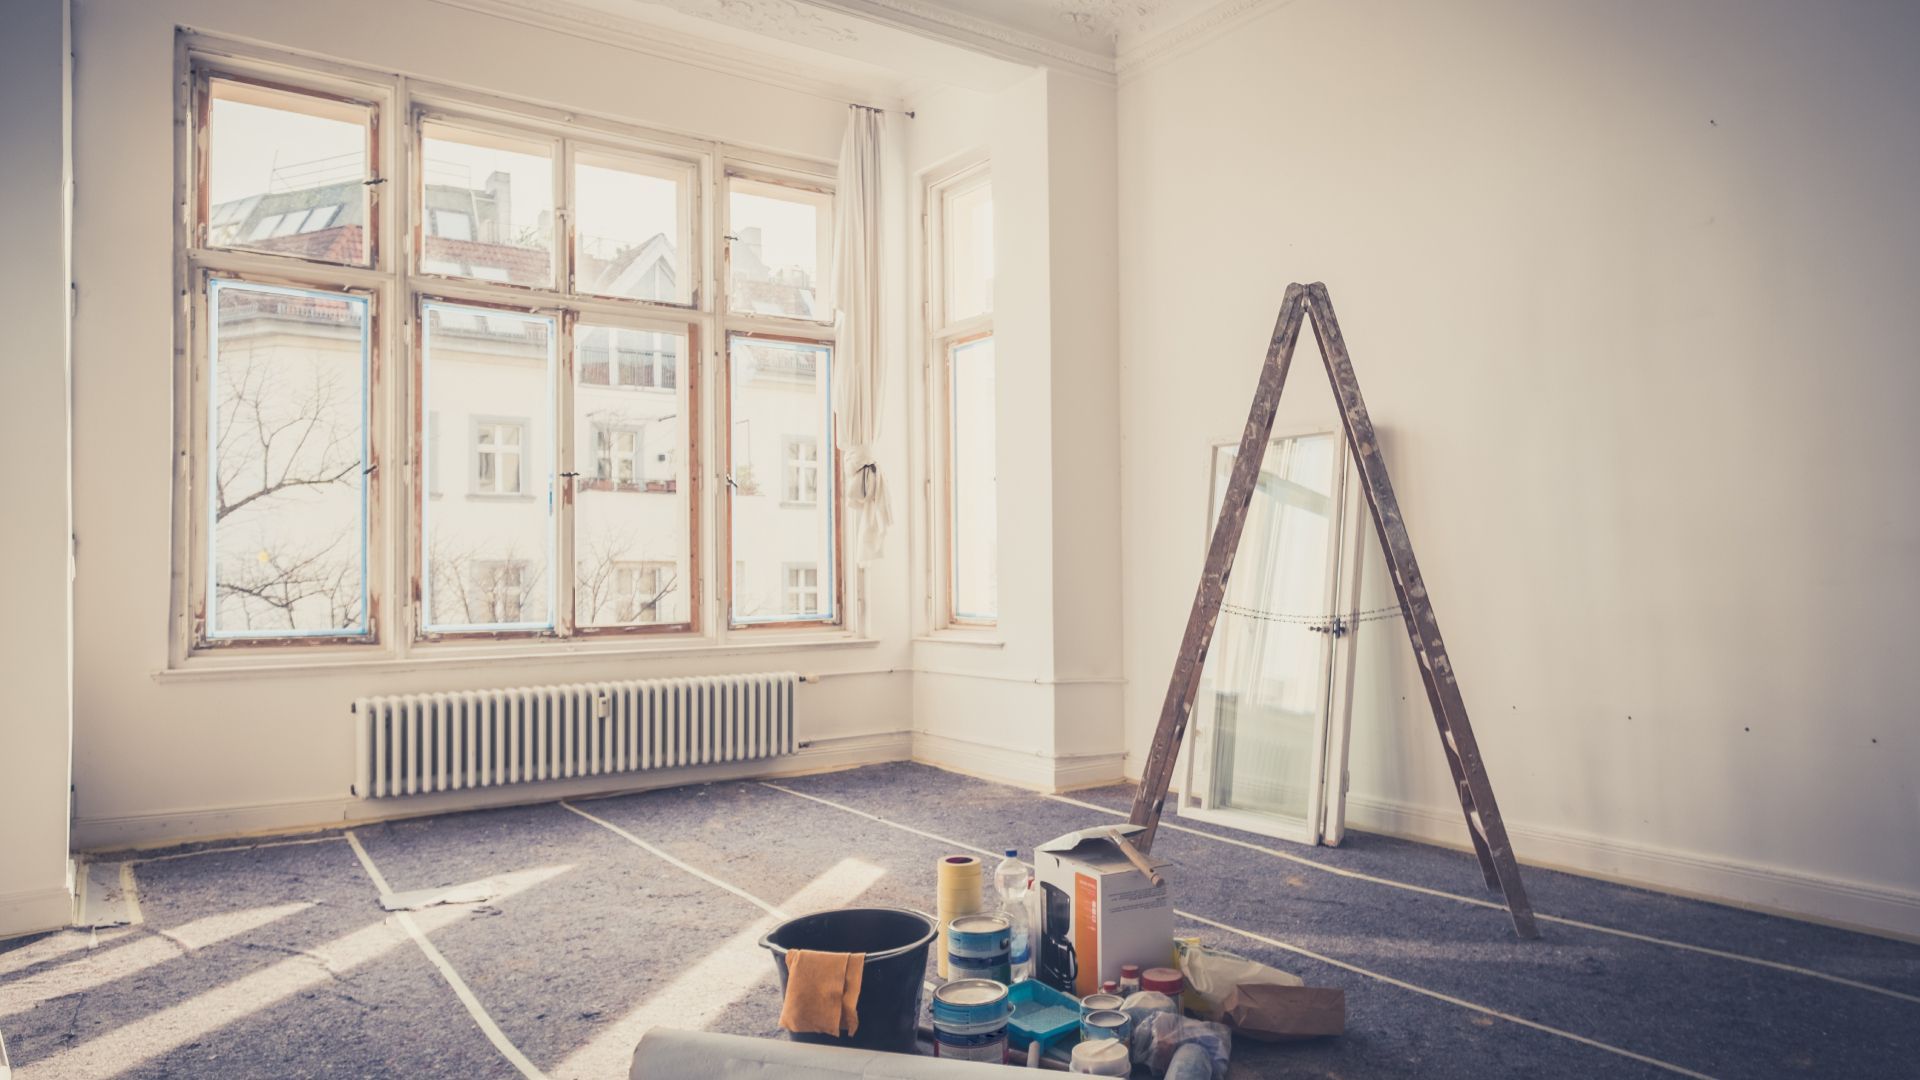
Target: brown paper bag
(1272, 1013)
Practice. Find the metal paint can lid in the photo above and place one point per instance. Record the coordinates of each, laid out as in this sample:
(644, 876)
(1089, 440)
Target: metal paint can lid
(970, 1001)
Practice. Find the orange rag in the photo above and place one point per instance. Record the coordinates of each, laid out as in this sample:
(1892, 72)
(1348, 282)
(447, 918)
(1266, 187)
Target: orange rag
(823, 989)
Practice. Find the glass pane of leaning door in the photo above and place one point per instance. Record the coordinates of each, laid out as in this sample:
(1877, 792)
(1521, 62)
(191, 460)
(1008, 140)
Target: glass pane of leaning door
(1268, 666)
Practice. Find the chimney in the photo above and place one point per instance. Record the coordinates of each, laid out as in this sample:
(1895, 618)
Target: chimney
(499, 191)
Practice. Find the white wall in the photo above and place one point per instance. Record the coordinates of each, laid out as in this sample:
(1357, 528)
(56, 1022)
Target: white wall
(36, 640)
(1628, 291)
(168, 755)
(1033, 700)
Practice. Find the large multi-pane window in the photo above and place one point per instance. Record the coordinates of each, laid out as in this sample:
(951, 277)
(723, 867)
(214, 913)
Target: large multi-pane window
(960, 264)
(475, 400)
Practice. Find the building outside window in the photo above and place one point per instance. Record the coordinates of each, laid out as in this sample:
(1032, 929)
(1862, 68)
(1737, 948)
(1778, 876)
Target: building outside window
(498, 448)
(802, 471)
(803, 590)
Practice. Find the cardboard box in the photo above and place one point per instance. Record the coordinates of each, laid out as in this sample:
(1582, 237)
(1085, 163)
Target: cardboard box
(1097, 911)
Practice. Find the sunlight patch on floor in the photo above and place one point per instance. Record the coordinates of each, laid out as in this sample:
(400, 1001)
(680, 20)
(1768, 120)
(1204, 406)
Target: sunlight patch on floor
(706, 990)
(157, 1033)
(109, 965)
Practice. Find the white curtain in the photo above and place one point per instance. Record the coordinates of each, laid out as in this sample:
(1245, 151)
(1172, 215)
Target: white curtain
(860, 371)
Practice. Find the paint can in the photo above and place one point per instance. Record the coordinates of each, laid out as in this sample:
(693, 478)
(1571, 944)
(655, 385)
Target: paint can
(970, 1020)
(1106, 1024)
(1167, 981)
(980, 946)
(1094, 1003)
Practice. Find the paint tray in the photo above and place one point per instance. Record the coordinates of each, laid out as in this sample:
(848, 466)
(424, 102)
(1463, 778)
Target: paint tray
(1040, 1014)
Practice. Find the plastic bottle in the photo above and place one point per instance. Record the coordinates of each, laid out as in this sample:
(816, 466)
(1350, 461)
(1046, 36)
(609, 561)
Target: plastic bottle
(1010, 876)
(1129, 979)
(1011, 880)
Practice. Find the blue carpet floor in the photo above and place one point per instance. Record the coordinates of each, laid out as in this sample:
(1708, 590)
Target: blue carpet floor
(613, 913)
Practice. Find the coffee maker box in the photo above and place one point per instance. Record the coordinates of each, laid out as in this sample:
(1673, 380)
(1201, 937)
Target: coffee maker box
(1098, 911)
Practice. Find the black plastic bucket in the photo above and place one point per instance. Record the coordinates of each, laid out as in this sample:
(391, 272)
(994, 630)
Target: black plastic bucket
(895, 941)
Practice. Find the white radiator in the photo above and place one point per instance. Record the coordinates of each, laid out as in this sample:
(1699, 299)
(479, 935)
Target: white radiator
(413, 744)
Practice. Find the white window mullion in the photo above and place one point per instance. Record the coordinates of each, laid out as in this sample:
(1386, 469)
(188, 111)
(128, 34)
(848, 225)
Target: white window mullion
(566, 488)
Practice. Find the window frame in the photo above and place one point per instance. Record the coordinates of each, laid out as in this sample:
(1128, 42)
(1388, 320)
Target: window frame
(579, 477)
(397, 424)
(201, 69)
(943, 337)
(689, 223)
(420, 495)
(812, 184)
(833, 504)
(196, 262)
(803, 177)
(192, 482)
(949, 484)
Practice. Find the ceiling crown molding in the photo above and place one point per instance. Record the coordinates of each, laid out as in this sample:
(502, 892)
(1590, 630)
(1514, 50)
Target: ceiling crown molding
(1190, 32)
(783, 19)
(943, 23)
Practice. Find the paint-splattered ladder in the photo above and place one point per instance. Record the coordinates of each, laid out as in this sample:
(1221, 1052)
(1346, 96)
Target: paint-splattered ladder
(1489, 833)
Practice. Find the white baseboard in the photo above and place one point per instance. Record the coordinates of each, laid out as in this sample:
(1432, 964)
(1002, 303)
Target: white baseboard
(1854, 905)
(170, 827)
(34, 910)
(1021, 768)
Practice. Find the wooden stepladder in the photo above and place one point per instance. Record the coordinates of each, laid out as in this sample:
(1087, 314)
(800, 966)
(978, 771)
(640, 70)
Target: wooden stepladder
(1484, 825)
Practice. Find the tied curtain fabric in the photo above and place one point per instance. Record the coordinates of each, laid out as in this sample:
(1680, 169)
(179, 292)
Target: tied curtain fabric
(861, 372)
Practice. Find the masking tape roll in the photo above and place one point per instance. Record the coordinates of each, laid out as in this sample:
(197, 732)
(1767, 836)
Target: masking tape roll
(958, 891)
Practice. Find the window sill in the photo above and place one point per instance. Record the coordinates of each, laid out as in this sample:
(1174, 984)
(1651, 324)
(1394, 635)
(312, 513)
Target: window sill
(979, 639)
(457, 656)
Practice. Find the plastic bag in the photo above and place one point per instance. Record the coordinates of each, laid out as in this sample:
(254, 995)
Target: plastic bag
(1211, 975)
(1164, 1034)
(1144, 1004)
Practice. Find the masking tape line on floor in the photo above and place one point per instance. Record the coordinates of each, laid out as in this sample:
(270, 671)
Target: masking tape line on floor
(130, 895)
(1478, 902)
(1448, 998)
(236, 847)
(461, 990)
(1310, 954)
(695, 871)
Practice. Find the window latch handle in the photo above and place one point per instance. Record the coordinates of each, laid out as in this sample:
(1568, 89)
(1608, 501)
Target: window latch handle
(732, 483)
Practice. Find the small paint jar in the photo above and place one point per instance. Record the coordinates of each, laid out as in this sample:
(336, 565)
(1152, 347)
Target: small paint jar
(1129, 979)
(1094, 1003)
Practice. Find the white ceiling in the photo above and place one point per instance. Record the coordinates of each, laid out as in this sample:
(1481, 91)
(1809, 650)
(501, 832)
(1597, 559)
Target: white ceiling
(887, 46)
